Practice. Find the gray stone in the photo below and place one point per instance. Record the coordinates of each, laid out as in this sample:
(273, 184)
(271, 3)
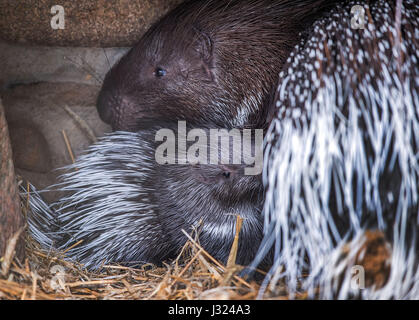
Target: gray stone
(36, 118)
(22, 64)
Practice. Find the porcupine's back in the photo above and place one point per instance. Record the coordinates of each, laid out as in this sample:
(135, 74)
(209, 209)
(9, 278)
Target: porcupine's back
(343, 149)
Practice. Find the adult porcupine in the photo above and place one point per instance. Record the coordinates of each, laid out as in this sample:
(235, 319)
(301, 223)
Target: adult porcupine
(342, 153)
(128, 208)
(194, 65)
(338, 133)
(206, 62)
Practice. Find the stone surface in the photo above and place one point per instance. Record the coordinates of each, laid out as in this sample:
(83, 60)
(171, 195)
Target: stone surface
(30, 149)
(21, 64)
(11, 219)
(37, 118)
(88, 23)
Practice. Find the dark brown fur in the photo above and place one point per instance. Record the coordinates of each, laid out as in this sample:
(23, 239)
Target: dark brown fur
(218, 62)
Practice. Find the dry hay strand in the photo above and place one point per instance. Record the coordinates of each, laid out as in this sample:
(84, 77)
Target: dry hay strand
(194, 274)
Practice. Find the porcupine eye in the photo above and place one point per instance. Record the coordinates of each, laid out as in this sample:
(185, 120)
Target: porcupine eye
(226, 174)
(159, 72)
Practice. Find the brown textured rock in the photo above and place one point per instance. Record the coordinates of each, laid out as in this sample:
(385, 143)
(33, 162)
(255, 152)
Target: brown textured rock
(103, 23)
(36, 117)
(11, 219)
